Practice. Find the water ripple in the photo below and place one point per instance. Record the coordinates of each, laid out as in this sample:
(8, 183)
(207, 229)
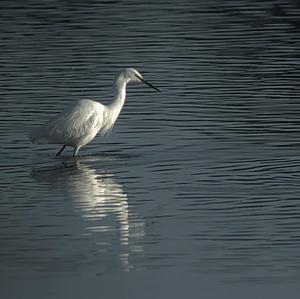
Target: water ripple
(202, 178)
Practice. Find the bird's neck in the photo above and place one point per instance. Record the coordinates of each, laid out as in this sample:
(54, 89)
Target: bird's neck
(120, 95)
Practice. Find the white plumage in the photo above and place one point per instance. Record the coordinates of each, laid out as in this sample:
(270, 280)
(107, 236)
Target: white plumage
(78, 124)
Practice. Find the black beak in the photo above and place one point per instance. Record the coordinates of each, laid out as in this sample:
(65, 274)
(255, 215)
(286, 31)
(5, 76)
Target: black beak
(149, 84)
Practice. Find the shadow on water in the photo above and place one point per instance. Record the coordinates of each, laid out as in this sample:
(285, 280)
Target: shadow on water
(103, 157)
(101, 203)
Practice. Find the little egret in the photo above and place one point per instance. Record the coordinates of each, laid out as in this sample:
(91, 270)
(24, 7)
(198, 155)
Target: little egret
(78, 124)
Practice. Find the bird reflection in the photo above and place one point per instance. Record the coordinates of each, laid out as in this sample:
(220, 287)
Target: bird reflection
(100, 201)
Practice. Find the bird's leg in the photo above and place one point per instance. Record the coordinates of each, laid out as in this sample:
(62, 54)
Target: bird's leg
(60, 151)
(76, 149)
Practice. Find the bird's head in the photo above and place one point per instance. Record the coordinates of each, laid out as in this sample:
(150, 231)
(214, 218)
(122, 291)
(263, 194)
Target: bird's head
(132, 75)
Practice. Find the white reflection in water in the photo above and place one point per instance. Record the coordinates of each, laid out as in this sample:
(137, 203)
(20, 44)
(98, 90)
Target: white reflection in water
(102, 203)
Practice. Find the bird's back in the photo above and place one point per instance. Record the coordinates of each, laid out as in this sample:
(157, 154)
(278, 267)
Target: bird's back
(76, 125)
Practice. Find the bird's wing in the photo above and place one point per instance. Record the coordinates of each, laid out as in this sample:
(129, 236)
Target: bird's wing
(81, 119)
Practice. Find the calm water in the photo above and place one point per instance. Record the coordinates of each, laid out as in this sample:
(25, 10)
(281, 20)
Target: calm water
(196, 191)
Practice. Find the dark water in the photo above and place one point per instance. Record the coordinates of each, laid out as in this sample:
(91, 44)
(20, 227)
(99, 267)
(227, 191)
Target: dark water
(196, 191)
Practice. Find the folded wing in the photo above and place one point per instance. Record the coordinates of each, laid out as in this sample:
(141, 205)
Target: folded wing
(78, 124)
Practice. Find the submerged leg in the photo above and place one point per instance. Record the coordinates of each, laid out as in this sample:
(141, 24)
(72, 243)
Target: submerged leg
(61, 150)
(76, 149)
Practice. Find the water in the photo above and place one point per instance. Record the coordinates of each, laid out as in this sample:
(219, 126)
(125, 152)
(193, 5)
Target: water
(196, 191)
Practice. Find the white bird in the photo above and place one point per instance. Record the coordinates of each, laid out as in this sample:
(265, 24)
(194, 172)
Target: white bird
(78, 124)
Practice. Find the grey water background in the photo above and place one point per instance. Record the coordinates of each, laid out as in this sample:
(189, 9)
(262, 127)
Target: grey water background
(196, 191)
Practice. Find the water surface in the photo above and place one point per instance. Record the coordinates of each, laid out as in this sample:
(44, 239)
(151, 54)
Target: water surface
(196, 191)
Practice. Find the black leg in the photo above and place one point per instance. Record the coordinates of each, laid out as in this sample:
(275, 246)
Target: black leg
(60, 150)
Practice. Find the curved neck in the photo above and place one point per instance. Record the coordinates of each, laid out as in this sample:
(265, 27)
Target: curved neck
(120, 95)
(113, 110)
